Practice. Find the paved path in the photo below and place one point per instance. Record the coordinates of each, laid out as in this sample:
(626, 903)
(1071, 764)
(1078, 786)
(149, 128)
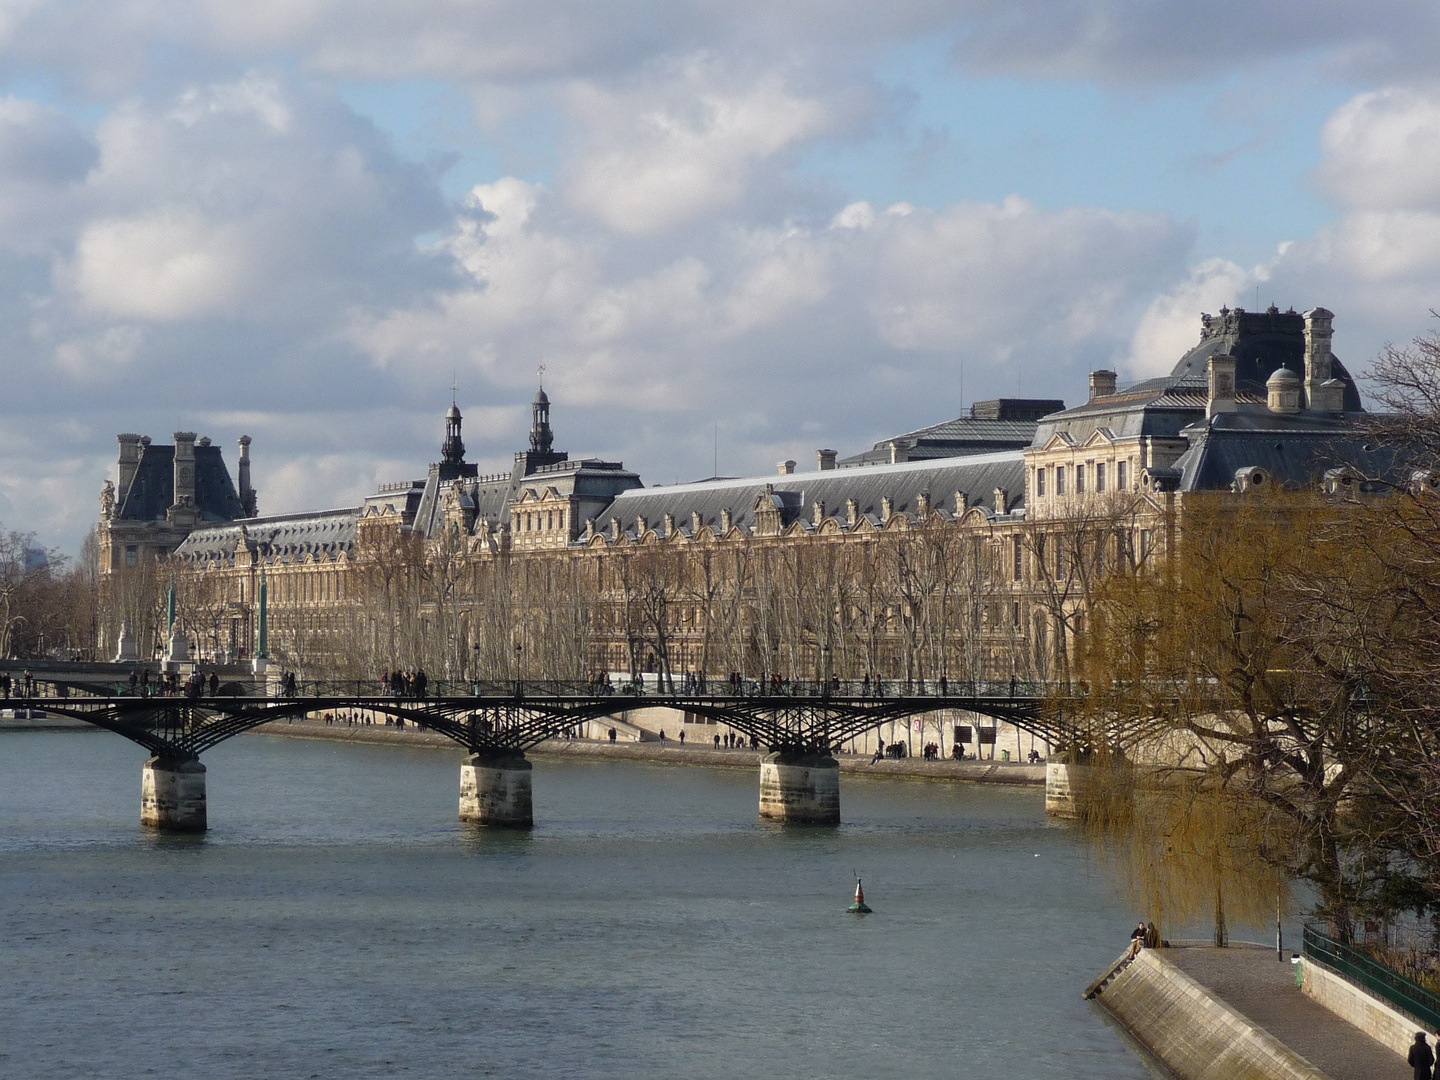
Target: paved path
(1253, 982)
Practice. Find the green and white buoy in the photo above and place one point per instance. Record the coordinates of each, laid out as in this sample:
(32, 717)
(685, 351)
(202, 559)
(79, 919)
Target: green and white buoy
(859, 907)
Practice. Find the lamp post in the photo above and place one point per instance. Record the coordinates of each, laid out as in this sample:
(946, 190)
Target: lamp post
(825, 671)
(519, 687)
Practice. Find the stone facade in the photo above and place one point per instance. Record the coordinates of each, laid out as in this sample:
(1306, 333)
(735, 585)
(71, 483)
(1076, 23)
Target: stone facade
(958, 564)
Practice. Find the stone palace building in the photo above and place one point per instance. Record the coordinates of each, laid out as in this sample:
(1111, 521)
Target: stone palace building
(950, 550)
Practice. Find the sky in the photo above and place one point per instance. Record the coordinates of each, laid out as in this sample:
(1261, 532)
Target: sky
(730, 233)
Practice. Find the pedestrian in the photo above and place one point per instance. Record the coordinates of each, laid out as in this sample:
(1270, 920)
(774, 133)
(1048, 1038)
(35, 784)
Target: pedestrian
(1421, 1058)
(1137, 939)
(682, 736)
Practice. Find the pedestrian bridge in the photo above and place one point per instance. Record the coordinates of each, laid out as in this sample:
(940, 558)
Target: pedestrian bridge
(801, 725)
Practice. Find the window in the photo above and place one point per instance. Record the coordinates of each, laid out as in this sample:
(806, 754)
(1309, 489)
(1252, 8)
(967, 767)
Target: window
(1059, 479)
(1079, 479)
(1019, 552)
(1040, 481)
(1120, 471)
(1144, 544)
(132, 555)
(1100, 477)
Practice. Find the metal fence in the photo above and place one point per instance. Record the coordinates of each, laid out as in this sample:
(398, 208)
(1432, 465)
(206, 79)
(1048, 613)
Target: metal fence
(1391, 986)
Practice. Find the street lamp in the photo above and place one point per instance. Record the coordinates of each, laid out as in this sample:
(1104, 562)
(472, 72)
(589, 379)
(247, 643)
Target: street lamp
(519, 689)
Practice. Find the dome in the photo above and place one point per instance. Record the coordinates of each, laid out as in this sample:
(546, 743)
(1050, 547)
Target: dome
(454, 413)
(541, 399)
(1282, 378)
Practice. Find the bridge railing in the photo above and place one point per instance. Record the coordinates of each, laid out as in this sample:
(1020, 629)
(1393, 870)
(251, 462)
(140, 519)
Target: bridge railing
(692, 687)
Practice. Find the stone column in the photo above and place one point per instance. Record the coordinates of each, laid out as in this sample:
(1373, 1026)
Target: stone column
(172, 795)
(803, 788)
(495, 790)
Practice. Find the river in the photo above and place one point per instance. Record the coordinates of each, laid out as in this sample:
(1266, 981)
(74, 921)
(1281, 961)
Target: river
(338, 922)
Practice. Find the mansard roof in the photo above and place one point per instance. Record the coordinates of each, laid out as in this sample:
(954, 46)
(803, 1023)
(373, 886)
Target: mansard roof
(152, 492)
(1295, 450)
(282, 537)
(992, 426)
(796, 494)
(1261, 342)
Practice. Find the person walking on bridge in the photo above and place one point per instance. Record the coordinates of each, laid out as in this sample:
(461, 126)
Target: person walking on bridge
(1421, 1058)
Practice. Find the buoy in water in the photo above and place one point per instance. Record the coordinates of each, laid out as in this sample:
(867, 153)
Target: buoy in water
(859, 907)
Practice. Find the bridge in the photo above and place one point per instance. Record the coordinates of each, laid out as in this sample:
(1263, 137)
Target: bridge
(801, 725)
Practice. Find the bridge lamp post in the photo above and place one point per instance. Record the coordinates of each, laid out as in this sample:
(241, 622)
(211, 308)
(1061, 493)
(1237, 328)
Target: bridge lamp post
(519, 690)
(825, 671)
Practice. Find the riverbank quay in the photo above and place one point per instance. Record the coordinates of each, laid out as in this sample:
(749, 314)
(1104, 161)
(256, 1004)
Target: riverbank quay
(670, 753)
(1235, 1014)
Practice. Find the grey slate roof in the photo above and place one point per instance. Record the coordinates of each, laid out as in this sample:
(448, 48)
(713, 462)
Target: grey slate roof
(1261, 342)
(286, 537)
(1295, 450)
(977, 475)
(152, 492)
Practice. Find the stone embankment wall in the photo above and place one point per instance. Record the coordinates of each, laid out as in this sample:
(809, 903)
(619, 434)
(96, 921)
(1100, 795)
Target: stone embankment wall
(670, 753)
(1194, 1033)
(1378, 1019)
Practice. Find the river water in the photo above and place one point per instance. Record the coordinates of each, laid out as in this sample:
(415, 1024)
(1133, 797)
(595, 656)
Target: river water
(338, 922)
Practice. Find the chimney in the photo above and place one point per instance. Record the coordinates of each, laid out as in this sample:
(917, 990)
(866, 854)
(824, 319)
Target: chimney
(922, 504)
(184, 468)
(1002, 501)
(129, 462)
(1222, 386)
(641, 527)
(695, 522)
(852, 512)
(826, 459)
(614, 530)
(242, 470)
(726, 520)
(787, 467)
(962, 501)
(887, 507)
(669, 524)
(819, 512)
(899, 452)
(1323, 392)
(1102, 384)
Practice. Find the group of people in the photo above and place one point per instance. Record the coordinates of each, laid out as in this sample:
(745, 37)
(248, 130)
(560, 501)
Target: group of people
(23, 685)
(405, 684)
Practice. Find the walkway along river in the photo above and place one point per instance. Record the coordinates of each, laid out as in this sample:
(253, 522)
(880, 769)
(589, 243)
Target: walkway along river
(338, 921)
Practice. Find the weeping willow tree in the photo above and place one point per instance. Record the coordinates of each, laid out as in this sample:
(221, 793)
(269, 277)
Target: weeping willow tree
(1226, 717)
(1188, 847)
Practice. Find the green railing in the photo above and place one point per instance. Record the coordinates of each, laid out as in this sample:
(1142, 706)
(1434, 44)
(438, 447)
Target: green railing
(1391, 986)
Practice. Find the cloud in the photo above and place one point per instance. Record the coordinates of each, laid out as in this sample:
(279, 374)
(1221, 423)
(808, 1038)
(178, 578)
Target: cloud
(1170, 326)
(654, 156)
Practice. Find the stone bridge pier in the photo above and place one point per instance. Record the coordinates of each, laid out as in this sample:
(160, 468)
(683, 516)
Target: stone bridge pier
(495, 790)
(801, 787)
(172, 795)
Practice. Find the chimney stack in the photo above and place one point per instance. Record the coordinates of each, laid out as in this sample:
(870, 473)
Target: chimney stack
(129, 463)
(247, 493)
(1222, 386)
(1102, 384)
(726, 520)
(184, 468)
(899, 452)
(787, 467)
(887, 507)
(1322, 392)
(826, 459)
(1002, 501)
